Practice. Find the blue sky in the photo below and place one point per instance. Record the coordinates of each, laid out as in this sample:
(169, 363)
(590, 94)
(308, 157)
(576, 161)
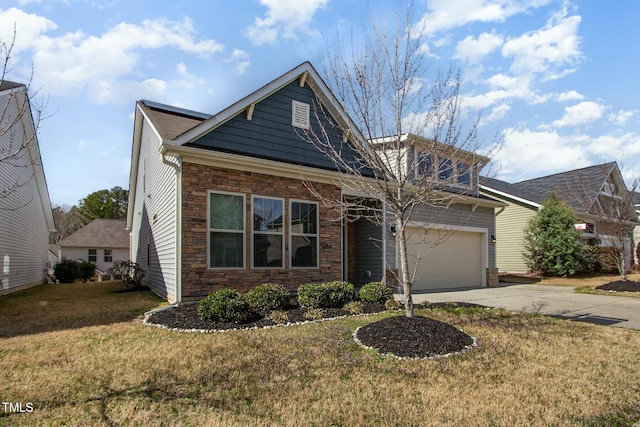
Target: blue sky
(558, 79)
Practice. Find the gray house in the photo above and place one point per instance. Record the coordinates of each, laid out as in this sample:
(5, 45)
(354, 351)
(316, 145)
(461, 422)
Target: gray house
(25, 210)
(219, 201)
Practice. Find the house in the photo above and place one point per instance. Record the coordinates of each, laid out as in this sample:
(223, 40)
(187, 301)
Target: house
(53, 258)
(223, 200)
(596, 193)
(26, 218)
(101, 242)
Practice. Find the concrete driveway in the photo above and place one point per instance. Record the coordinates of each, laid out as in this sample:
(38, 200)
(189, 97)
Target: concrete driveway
(558, 301)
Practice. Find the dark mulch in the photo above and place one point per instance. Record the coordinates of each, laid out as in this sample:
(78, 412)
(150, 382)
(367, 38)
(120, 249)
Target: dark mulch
(620, 286)
(417, 337)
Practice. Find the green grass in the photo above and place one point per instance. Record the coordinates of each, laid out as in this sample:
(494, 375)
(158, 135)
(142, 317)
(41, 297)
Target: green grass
(85, 358)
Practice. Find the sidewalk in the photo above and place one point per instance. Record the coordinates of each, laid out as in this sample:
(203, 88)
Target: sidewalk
(559, 301)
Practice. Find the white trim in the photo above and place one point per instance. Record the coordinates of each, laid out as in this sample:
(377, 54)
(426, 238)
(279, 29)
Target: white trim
(511, 196)
(244, 229)
(269, 233)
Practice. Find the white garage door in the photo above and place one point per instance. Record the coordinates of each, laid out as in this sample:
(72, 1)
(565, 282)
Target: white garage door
(455, 263)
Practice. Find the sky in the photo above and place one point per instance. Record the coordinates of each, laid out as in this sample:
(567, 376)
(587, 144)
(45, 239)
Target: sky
(556, 80)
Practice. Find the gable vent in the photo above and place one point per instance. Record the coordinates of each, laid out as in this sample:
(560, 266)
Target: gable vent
(300, 114)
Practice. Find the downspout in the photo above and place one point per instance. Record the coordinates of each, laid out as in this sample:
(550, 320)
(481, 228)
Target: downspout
(177, 166)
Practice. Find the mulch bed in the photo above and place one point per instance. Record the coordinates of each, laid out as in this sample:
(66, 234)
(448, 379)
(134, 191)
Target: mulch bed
(620, 286)
(418, 337)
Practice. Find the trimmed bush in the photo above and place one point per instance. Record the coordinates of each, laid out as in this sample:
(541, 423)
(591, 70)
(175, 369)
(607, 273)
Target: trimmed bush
(226, 305)
(268, 297)
(338, 293)
(279, 316)
(314, 314)
(325, 295)
(86, 270)
(66, 271)
(311, 295)
(375, 292)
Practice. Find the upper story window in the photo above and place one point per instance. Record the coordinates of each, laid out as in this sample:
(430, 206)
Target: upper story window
(108, 255)
(300, 114)
(448, 170)
(93, 255)
(226, 230)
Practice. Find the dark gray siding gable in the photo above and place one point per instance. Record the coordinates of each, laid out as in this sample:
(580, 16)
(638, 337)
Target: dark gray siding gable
(270, 135)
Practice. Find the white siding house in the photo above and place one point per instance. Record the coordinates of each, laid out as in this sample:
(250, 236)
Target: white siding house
(101, 242)
(25, 210)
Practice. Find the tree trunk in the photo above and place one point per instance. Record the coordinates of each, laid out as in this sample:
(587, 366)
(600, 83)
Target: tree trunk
(404, 267)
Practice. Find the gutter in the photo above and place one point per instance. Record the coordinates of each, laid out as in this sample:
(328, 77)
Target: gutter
(177, 166)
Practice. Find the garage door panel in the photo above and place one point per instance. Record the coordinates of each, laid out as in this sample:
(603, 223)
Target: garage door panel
(454, 263)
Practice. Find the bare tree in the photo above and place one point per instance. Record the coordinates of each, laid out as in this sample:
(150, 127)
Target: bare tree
(407, 148)
(19, 121)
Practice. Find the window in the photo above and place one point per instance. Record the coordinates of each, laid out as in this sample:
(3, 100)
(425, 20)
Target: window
(93, 255)
(226, 230)
(448, 170)
(108, 257)
(463, 173)
(304, 234)
(268, 232)
(300, 114)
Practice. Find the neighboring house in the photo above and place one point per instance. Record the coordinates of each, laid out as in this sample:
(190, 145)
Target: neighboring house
(25, 209)
(221, 201)
(102, 242)
(53, 258)
(593, 192)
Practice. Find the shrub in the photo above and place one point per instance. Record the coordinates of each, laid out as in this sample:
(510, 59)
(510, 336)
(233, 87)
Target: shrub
(129, 272)
(314, 314)
(338, 293)
(354, 307)
(66, 271)
(375, 292)
(279, 316)
(225, 305)
(392, 304)
(86, 270)
(311, 295)
(267, 297)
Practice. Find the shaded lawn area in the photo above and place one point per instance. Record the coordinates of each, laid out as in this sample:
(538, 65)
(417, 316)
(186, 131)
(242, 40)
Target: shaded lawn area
(609, 284)
(113, 370)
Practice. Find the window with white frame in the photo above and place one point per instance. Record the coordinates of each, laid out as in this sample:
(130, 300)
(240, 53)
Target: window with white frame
(108, 255)
(93, 255)
(304, 234)
(268, 232)
(226, 230)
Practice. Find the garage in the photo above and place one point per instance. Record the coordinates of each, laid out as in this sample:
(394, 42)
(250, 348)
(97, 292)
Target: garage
(457, 262)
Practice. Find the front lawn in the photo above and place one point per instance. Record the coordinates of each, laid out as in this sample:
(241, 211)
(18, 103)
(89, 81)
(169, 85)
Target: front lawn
(86, 359)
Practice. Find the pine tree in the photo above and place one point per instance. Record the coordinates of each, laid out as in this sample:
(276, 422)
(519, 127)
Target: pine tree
(553, 245)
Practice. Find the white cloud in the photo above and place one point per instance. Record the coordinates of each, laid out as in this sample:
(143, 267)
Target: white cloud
(28, 27)
(525, 154)
(621, 117)
(446, 14)
(105, 67)
(584, 112)
(547, 50)
(474, 49)
(240, 60)
(497, 113)
(188, 80)
(570, 95)
(284, 18)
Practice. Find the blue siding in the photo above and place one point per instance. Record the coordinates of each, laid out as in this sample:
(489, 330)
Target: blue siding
(270, 134)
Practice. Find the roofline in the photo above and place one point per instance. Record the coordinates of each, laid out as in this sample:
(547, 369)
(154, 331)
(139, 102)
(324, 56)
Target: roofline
(511, 196)
(304, 71)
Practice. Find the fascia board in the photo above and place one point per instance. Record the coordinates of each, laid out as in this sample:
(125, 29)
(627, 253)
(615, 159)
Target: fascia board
(510, 196)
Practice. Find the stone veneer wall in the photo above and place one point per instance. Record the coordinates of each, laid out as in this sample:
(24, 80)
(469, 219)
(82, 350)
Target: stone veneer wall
(198, 280)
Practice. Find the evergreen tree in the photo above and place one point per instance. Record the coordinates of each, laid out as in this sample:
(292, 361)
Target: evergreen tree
(553, 245)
